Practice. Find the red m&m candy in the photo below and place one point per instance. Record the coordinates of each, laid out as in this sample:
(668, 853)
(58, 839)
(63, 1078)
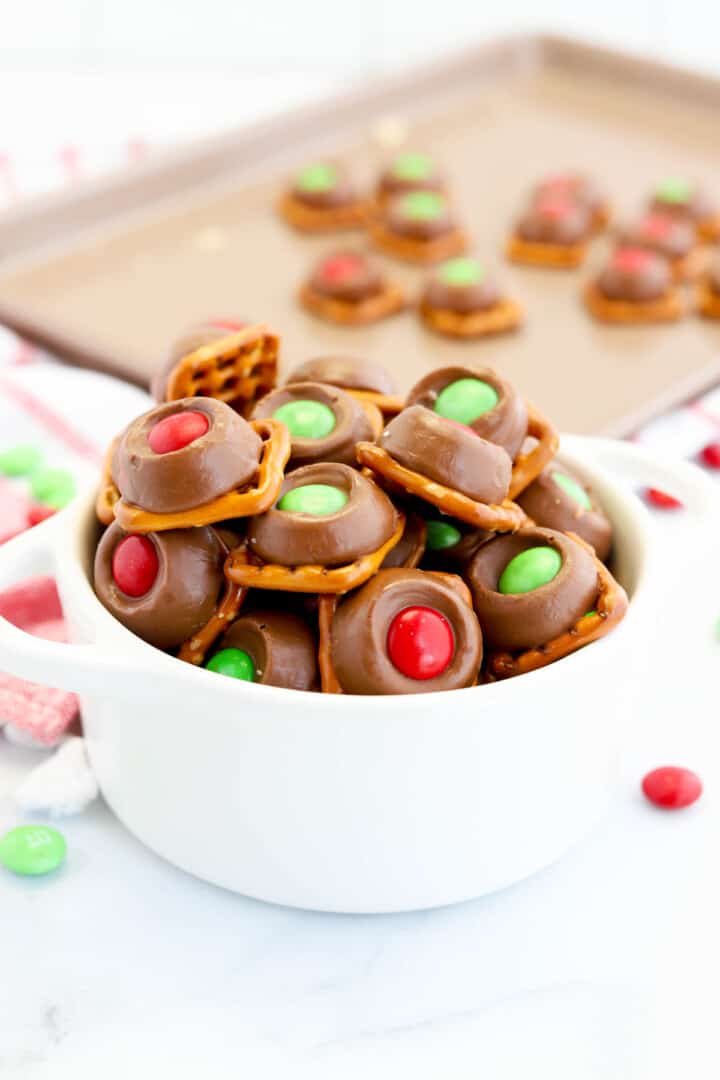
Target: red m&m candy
(420, 642)
(661, 499)
(135, 565)
(710, 455)
(339, 268)
(631, 260)
(177, 431)
(672, 788)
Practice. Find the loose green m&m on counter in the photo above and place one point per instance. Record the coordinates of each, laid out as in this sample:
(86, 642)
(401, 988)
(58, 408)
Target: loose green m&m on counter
(674, 189)
(235, 663)
(423, 205)
(466, 399)
(53, 487)
(441, 535)
(412, 166)
(20, 460)
(319, 177)
(571, 487)
(529, 570)
(32, 850)
(316, 499)
(306, 419)
(461, 271)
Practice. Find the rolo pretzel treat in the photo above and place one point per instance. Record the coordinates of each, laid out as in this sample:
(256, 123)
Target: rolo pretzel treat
(419, 227)
(636, 286)
(553, 232)
(324, 421)
(462, 301)
(345, 540)
(350, 288)
(323, 198)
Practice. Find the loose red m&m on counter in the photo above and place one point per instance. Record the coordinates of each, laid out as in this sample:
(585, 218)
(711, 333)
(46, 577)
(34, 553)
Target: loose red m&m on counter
(135, 565)
(177, 431)
(672, 787)
(710, 455)
(420, 642)
(661, 499)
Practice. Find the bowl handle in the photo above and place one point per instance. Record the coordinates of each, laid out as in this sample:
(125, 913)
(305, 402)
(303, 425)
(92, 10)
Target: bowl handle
(52, 663)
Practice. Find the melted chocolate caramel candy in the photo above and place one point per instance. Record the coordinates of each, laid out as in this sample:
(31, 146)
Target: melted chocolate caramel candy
(462, 286)
(323, 186)
(555, 221)
(529, 587)
(410, 549)
(270, 647)
(667, 235)
(184, 454)
(348, 276)
(635, 274)
(420, 215)
(195, 338)
(449, 453)
(713, 277)
(558, 500)
(327, 514)
(405, 632)
(345, 372)
(478, 398)
(163, 586)
(410, 171)
(324, 422)
(681, 198)
(571, 187)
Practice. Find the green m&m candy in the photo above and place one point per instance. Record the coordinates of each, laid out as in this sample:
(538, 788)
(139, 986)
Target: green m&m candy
(53, 487)
(20, 460)
(529, 570)
(441, 535)
(316, 499)
(423, 205)
(571, 487)
(461, 271)
(32, 850)
(412, 167)
(466, 399)
(674, 189)
(319, 177)
(306, 419)
(235, 663)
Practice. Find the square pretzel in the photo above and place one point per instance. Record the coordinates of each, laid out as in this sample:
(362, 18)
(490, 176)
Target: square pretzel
(238, 369)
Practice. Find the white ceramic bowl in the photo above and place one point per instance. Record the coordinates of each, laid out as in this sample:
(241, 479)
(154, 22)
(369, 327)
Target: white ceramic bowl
(352, 804)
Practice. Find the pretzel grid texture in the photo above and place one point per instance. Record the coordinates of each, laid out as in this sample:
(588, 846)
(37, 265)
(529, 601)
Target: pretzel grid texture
(610, 608)
(238, 369)
(310, 578)
(505, 517)
(234, 504)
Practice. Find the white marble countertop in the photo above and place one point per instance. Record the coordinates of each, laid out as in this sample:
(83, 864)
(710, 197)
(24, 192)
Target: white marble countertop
(601, 966)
